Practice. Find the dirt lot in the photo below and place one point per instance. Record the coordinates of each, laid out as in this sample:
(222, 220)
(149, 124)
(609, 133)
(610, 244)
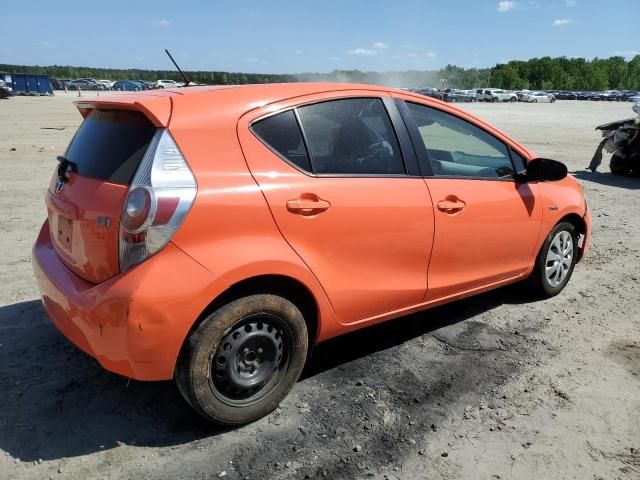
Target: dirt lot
(493, 387)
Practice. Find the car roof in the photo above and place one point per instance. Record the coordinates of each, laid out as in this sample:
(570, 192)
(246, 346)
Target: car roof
(261, 93)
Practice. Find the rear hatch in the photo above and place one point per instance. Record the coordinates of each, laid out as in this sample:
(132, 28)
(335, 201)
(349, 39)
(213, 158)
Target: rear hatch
(86, 196)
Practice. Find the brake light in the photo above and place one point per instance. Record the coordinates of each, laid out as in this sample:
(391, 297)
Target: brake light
(158, 201)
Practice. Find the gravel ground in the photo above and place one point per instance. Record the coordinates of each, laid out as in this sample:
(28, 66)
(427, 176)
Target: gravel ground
(496, 386)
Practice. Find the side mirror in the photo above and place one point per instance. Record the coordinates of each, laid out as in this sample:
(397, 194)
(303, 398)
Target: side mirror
(544, 170)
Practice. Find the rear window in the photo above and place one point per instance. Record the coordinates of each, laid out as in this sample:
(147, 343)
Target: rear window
(110, 144)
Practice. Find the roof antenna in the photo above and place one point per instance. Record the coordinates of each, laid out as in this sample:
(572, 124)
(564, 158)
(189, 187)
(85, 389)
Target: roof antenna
(184, 77)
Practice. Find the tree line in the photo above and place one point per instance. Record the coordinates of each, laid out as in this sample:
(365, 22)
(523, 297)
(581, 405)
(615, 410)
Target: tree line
(546, 73)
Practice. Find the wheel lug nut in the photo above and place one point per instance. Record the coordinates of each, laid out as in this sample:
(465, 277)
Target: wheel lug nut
(260, 350)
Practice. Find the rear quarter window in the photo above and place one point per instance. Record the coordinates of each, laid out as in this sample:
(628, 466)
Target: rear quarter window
(110, 144)
(282, 134)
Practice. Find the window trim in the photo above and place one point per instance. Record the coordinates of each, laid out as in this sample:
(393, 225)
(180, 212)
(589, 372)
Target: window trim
(403, 147)
(416, 137)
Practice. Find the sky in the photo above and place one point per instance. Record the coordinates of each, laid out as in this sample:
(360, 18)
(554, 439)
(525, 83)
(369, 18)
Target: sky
(272, 36)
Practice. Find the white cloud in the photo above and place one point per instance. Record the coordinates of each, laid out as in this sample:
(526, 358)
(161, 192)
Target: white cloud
(626, 53)
(365, 52)
(506, 5)
(570, 3)
(161, 22)
(376, 48)
(562, 22)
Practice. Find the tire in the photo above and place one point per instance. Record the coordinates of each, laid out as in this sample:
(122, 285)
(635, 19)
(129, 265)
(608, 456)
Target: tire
(562, 238)
(243, 359)
(474, 100)
(453, 100)
(494, 100)
(535, 100)
(513, 100)
(620, 166)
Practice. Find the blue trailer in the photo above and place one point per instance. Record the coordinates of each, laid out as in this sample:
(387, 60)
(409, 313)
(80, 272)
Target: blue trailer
(28, 83)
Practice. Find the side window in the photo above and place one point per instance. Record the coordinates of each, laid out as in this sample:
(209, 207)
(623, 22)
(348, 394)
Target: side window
(351, 136)
(519, 162)
(281, 133)
(457, 148)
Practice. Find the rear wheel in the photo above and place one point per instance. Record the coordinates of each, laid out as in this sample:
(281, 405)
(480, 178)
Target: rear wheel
(494, 100)
(556, 261)
(620, 166)
(243, 359)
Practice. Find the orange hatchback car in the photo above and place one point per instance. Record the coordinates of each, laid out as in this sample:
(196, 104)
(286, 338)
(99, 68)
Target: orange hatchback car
(214, 234)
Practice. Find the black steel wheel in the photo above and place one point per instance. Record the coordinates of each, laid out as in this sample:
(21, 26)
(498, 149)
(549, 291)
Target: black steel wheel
(251, 359)
(243, 359)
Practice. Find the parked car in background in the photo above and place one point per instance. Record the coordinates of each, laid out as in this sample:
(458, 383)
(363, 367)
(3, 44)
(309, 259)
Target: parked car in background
(627, 95)
(5, 90)
(167, 84)
(127, 85)
(480, 95)
(146, 84)
(521, 94)
(540, 97)
(384, 185)
(107, 83)
(564, 95)
(85, 84)
(429, 92)
(597, 96)
(455, 96)
(57, 84)
(497, 95)
(612, 95)
(634, 98)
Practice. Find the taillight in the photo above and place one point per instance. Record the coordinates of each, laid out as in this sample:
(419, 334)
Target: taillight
(138, 209)
(158, 201)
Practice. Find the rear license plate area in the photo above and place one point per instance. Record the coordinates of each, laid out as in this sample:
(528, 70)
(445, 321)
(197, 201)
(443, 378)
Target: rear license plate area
(65, 232)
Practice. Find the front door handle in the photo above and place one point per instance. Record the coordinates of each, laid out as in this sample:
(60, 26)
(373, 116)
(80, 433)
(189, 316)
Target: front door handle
(308, 206)
(451, 206)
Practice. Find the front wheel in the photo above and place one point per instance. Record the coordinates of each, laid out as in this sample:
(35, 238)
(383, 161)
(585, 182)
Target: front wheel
(556, 261)
(243, 359)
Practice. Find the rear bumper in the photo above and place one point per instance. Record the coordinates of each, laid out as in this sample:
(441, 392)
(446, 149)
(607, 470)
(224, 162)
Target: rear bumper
(133, 324)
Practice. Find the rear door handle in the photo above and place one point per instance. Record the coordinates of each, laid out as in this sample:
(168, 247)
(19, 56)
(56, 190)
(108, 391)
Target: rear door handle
(304, 205)
(451, 206)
